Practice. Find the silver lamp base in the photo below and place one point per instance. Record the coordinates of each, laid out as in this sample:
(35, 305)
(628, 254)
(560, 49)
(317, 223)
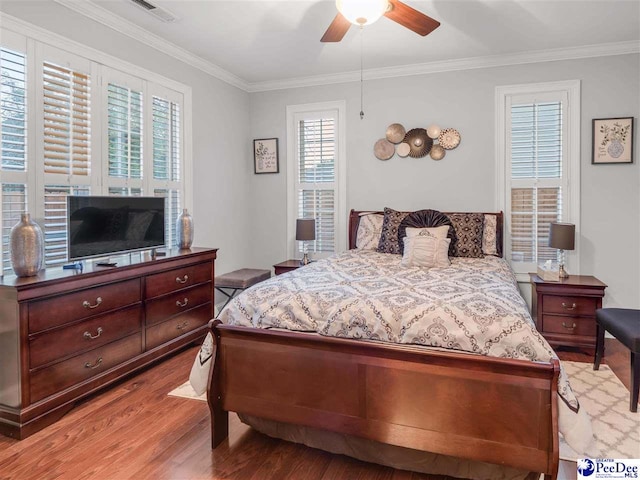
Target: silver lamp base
(305, 259)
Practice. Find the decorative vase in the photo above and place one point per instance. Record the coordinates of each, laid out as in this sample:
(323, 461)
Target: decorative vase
(615, 148)
(184, 230)
(26, 246)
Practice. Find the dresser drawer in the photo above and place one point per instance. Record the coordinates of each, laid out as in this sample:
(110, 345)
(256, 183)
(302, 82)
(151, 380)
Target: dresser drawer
(569, 305)
(172, 280)
(584, 326)
(95, 332)
(176, 326)
(55, 378)
(63, 309)
(162, 308)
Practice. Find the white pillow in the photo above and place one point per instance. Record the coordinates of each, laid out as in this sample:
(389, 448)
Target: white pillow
(369, 231)
(426, 251)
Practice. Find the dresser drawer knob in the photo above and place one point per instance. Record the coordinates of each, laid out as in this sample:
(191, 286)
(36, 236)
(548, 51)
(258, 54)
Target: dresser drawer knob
(88, 335)
(94, 365)
(566, 306)
(183, 325)
(182, 304)
(568, 327)
(183, 279)
(87, 304)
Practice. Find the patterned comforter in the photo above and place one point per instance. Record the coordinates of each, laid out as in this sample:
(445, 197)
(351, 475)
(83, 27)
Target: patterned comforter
(472, 306)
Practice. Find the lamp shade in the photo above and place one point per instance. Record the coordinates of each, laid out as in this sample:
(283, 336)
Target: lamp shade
(306, 229)
(362, 12)
(562, 235)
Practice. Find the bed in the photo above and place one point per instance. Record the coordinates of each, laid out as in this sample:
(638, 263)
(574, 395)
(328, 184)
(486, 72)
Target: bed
(377, 383)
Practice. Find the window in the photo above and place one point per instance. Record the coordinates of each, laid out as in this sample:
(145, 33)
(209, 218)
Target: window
(13, 145)
(316, 177)
(538, 167)
(98, 131)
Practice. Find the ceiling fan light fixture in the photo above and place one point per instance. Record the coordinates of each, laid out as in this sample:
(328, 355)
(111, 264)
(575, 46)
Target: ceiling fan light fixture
(362, 12)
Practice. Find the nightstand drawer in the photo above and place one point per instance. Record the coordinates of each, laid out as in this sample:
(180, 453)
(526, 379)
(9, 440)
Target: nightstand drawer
(584, 326)
(568, 305)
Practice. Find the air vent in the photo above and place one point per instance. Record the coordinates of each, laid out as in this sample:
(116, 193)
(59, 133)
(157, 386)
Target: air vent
(157, 12)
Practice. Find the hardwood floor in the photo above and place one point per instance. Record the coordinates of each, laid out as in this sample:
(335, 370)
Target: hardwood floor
(134, 430)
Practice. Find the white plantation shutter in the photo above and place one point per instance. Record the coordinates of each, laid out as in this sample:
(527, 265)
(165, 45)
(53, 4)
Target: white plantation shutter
(13, 144)
(536, 178)
(67, 117)
(13, 106)
(124, 132)
(166, 139)
(14, 203)
(538, 167)
(316, 181)
(55, 221)
(171, 211)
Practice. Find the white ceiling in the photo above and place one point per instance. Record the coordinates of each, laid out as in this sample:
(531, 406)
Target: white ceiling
(270, 40)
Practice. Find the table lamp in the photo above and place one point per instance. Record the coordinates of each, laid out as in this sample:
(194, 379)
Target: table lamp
(305, 231)
(562, 236)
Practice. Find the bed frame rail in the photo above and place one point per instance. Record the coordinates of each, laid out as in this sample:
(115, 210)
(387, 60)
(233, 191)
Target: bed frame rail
(486, 409)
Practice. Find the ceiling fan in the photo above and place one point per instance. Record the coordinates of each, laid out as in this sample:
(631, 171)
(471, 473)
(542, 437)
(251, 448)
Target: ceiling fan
(365, 12)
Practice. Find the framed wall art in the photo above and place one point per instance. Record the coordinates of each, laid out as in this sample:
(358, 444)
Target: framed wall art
(265, 155)
(612, 140)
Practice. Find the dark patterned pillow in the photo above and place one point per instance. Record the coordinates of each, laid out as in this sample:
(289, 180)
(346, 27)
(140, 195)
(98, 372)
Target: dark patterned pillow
(468, 232)
(389, 237)
(423, 219)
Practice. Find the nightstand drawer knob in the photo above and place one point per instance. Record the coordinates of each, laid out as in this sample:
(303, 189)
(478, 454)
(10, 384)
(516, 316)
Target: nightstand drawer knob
(567, 307)
(569, 327)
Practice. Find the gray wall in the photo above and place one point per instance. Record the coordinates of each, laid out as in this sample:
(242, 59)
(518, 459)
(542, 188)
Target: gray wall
(221, 147)
(465, 179)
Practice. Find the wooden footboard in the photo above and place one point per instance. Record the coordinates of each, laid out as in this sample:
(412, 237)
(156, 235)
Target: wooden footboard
(486, 409)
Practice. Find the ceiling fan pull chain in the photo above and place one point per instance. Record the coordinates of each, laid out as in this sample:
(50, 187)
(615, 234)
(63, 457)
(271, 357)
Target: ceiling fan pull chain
(361, 76)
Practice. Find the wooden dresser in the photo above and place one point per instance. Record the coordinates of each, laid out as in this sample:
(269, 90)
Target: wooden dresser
(64, 335)
(565, 311)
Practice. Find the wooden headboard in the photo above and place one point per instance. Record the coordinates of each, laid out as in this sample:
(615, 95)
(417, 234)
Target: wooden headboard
(354, 221)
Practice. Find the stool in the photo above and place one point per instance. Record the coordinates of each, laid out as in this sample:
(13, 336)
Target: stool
(623, 324)
(239, 280)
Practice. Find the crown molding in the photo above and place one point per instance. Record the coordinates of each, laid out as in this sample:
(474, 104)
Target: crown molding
(125, 27)
(538, 56)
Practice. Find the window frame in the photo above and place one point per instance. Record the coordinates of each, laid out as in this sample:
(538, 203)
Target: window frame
(340, 187)
(570, 90)
(40, 45)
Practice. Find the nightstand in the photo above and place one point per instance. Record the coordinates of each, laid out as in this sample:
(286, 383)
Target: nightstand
(286, 266)
(565, 311)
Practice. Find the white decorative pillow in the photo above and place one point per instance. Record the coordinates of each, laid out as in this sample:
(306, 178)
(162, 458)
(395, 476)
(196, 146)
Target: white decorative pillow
(369, 231)
(425, 250)
(489, 235)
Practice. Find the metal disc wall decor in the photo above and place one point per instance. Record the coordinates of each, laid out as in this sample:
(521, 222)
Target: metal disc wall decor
(384, 149)
(437, 152)
(419, 142)
(403, 149)
(395, 133)
(449, 138)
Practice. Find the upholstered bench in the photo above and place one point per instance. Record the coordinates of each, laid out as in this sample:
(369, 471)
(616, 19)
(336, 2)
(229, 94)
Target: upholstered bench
(623, 324)
(239, 280)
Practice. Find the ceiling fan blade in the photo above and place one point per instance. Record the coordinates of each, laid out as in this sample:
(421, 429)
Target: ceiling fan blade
(411, 18)
(337, 29)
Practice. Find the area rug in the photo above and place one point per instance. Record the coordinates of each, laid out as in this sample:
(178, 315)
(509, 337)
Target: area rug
(606, 400)
(185, 391)
(601, 394)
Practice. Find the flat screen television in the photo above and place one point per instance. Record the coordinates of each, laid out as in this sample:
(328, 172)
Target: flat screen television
(101, 226)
